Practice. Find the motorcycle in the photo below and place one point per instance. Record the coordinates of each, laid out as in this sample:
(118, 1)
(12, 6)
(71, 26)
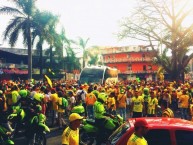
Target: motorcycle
(31, 124)
(89, 130)
(5, 136)
(38, 130)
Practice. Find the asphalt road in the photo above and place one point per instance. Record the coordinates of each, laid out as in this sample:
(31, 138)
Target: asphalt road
(53, 138)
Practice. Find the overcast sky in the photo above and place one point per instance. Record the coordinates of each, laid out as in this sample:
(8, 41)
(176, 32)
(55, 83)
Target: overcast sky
(94, 19)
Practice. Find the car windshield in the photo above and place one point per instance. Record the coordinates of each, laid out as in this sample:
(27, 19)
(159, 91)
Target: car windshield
(113, 139)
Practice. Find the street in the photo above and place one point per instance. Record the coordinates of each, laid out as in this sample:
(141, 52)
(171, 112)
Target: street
(53, 138)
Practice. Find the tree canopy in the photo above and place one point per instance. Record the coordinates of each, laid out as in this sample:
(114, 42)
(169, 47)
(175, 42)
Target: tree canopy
(160, 23)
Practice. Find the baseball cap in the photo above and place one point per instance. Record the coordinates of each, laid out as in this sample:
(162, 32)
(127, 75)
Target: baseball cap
(140, 122)
(74, 116)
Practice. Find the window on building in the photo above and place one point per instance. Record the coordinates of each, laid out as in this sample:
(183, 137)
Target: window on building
(144, 68)
(158, 137)
(128, 55)
(129, 67)
(109, 57)
(149, 67)
(184, 137)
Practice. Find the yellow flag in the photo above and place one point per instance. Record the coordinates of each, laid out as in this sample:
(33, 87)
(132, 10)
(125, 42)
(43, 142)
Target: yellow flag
(48, 80)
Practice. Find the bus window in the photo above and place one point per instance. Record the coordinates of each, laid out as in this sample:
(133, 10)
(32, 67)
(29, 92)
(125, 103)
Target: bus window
(96, 74)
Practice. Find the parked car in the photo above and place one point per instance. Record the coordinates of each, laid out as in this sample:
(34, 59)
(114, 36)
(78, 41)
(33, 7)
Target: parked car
(162, 131)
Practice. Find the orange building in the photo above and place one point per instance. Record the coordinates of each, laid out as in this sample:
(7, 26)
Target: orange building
(131, 61)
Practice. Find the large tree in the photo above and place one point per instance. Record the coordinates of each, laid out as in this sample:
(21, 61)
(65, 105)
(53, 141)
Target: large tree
(160, 24)
(94, 56)
(82, 45)
(22, 21)
(42, 32)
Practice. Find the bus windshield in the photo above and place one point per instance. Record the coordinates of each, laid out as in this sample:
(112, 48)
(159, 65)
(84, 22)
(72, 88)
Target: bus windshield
(91, 75)
(97, 74)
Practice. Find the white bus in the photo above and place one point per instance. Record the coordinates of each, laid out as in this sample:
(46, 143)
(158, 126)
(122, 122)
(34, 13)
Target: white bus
(98, 74)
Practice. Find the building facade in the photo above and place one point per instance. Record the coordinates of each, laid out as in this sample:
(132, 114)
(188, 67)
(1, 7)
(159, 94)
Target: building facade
(131, 61)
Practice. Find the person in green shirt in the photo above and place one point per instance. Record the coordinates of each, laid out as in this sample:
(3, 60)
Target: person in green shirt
(102, 119)
(15, 95)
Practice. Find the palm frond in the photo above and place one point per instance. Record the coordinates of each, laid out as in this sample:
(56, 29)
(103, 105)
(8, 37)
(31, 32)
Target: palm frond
(13, 23)
(15, 33)
(10, 10)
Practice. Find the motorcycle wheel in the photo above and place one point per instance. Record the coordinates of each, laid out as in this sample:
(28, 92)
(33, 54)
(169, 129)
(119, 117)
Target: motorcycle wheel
(85, 139)
(37, 139)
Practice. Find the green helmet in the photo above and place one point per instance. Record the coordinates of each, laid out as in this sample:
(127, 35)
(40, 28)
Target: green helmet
(103, 97)
(122, 91)
(38, 97)
(23, 93)
(146, 90)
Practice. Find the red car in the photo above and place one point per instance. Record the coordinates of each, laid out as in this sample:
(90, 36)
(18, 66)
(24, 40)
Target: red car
(162, 131)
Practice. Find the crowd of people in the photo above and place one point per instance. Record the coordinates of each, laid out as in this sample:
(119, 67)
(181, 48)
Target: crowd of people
(126, 98)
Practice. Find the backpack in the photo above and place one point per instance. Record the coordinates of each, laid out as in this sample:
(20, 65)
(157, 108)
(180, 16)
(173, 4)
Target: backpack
(63, 103)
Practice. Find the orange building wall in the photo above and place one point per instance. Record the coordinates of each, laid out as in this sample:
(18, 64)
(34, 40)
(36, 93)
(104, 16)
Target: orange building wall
(136, 66)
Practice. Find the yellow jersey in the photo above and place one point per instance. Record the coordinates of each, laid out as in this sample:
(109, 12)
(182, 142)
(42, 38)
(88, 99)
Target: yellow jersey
(184, 100)
(135, 140)
(152, 105)
(60, 103)
(111, 102)
(54, 100)
(137, 104)
(70, 137)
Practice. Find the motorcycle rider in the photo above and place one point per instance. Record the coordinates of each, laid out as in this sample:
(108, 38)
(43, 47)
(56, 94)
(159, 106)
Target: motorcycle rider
(102, 119)
(3, 112)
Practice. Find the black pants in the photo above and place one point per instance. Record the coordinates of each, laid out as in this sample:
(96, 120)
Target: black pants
(150, 115)
(137, 114)
(84, 105)
(3, 117)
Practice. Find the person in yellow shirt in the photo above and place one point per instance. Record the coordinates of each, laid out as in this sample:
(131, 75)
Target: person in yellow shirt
(152, 105)
(90, 100)
(141, 128)
(62, 105)
(111, 104)
(137, 105)
(54, 100)
(70, 135)
(184, 101)
(122, 102)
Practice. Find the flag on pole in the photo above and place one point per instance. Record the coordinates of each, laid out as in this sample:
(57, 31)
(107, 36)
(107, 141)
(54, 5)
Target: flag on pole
(48, 80)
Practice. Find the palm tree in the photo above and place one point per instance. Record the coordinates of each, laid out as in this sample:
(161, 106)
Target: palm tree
(55, 41)
(45, 20)
(22, 22)
(82, 45)
(94, 55)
